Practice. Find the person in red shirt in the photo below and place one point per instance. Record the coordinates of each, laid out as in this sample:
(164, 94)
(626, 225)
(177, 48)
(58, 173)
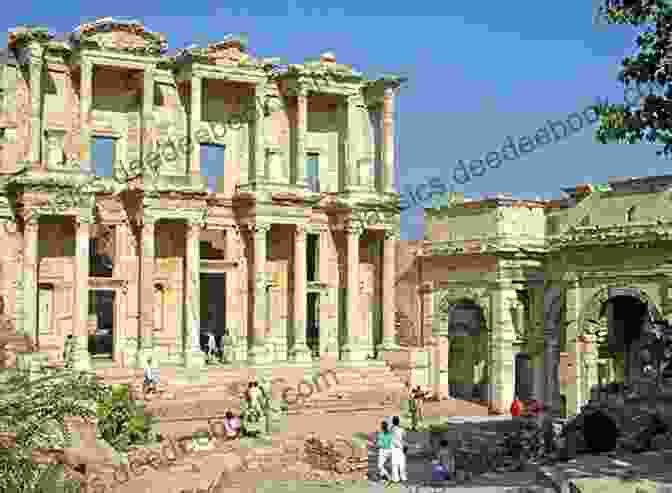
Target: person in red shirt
(516, 407)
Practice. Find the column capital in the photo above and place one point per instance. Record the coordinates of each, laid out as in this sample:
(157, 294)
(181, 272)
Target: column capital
(354, 229)
(147, 225)
(31, 223)
(300, 231)
(260, 228)
(391, 234)
(86, 66)
(194, 228)
(83, 221)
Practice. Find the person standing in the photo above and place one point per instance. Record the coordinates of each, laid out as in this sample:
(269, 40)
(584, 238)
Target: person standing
(384, 444)
(516, 407)
(398, 453)
(212, 346)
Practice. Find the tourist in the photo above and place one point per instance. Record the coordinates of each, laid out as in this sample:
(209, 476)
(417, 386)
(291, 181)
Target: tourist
(68, 351)
(419, 398)
(151, 377)
(516, 407)
(384, 444)
(444, 464)
(398, 453)
(231, 425)
(212, 346)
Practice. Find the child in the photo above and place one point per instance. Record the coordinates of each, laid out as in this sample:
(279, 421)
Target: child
(444, 465)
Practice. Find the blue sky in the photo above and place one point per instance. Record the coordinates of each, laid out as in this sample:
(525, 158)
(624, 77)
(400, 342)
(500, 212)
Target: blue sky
(478, 72)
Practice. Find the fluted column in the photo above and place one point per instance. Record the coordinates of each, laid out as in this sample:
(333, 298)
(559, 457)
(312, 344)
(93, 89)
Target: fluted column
(147, 115)
(352, 349)
(329, 300)
(353, 140)
(30, 238)
(256, 350)
(192, 297)
(80, 305)
(503, 335)
(259, 140)
(574, 395)
(301, 130)
(388, 140)
(389, 341)
(36, 70)
(146, 291)
(194, 125)
(300, 351)
(85, 99)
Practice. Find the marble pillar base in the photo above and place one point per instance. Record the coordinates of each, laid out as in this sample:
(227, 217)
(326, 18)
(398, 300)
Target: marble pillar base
(300, 353)
(259, 354)
(195, 359)
(354, 352)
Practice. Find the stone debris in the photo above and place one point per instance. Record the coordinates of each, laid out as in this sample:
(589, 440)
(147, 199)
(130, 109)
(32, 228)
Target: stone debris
(334, 456)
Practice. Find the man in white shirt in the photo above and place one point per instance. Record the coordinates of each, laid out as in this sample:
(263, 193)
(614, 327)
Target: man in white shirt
(398, 451)
(151, 377)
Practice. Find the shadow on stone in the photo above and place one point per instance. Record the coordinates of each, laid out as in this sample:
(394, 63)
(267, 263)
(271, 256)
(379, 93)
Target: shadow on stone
(600, 432)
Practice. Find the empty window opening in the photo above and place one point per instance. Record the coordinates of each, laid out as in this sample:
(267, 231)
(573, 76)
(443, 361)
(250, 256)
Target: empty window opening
(103, 155)
(313, 171)
(212, 164)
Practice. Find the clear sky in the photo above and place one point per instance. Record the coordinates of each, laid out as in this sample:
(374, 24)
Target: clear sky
(478, 72)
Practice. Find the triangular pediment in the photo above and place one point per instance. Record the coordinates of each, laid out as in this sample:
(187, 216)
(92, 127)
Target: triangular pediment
(119, 35)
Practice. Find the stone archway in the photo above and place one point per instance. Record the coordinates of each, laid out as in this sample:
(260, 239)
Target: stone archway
(614, 320)
(463, 320)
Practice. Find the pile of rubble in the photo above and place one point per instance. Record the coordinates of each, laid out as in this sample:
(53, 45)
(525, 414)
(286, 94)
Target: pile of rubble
(339, 456)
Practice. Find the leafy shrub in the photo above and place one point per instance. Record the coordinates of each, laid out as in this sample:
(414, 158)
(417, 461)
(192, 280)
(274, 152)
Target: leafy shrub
(32, 413)
(122, 422)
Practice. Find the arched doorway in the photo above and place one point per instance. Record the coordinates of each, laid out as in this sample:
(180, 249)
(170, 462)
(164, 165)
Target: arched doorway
(619, 318)
(467, 359)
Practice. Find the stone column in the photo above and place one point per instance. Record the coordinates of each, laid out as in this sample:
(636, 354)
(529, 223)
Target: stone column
(389, 341)
(352, 349)
(589, 369)
(194, 126)
(552, 318)
(80, 305)
(503, 335)
(147, 116)
(194, 357)
(572, 307)
(353, 140)
(146, 292)
(85, 100)
(301, 130)
(388, 140)
(36, 71)
(259, 140)
(300, 351)
(30, 260)
(256, 349)
(329, 302)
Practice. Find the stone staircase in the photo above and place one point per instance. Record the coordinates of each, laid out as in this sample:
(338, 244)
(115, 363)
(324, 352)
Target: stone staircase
(213, 390)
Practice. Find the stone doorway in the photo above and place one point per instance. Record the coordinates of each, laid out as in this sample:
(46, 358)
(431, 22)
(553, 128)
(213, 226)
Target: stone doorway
(627, 317)
(467, 359)
(101, 328)
(213, 307)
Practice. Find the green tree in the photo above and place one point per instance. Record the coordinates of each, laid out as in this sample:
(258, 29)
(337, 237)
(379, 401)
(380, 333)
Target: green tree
(651, 119)
(32, 412)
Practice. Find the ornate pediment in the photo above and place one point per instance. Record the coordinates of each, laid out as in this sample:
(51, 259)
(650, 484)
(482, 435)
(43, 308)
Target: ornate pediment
(119, 35)
(232, 51)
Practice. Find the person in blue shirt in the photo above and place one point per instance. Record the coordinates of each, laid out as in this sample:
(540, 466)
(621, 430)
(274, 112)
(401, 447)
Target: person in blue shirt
(384, 444)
